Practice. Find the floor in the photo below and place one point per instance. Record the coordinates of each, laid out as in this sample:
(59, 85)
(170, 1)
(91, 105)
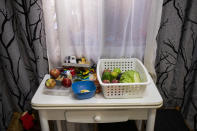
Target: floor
(170, 120)
(120, 126)
(166, 120)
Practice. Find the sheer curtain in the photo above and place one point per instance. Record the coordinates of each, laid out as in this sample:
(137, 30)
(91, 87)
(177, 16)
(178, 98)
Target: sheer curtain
(102, 28)
(125, 27)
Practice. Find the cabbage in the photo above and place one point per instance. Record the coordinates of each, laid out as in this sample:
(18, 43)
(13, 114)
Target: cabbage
(130, 76)
(136, 77)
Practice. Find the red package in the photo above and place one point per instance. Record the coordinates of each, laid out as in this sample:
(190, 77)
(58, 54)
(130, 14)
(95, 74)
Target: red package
(27, 120)
(72, 71)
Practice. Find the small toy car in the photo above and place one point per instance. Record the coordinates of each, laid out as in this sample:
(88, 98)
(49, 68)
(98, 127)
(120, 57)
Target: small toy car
(70, 59)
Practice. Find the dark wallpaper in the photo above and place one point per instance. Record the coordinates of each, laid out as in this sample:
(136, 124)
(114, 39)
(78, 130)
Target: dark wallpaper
(176, 62)
(23, 57)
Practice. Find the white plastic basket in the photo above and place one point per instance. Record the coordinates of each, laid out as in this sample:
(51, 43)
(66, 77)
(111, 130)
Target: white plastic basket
(123, 90)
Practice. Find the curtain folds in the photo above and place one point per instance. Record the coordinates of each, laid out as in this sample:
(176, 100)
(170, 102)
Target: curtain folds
(97, 29)
(52, 39)
(151, 42)
(23, 55)
(176, 61)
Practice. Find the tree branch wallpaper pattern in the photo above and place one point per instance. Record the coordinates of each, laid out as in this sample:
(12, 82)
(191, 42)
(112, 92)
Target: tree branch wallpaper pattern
(176, 62)
(23, 55)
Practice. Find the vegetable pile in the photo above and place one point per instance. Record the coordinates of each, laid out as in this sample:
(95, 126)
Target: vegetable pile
(116, 76)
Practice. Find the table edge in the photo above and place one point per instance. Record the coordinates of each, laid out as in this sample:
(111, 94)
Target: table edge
(97, 107)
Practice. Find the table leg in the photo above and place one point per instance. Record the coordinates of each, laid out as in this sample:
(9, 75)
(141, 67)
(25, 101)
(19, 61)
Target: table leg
(151, 120)
(43, 121)
(139, 124)
(59, 126)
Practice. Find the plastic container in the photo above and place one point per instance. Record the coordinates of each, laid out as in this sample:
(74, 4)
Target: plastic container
(123, 90)
(83, 85)
(57, 91)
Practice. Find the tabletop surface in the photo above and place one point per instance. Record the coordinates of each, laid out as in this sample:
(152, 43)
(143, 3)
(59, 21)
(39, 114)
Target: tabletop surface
(151, 98)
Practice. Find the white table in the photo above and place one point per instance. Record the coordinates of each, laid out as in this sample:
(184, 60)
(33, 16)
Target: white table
(97, 109)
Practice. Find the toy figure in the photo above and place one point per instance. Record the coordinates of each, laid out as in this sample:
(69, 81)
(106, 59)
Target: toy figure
(82, 60)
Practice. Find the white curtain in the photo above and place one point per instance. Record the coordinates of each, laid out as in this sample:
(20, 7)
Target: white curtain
(52, 42)
(102, 28)
(152, 31)
(125, 28)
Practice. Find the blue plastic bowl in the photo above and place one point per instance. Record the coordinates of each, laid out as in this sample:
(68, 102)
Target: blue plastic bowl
(83, 85)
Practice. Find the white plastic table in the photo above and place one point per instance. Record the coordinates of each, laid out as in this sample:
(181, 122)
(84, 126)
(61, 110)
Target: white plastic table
(96, 109)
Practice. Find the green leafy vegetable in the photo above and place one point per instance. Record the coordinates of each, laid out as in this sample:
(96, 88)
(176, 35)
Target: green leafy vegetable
(130, 76)
(136, 77)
